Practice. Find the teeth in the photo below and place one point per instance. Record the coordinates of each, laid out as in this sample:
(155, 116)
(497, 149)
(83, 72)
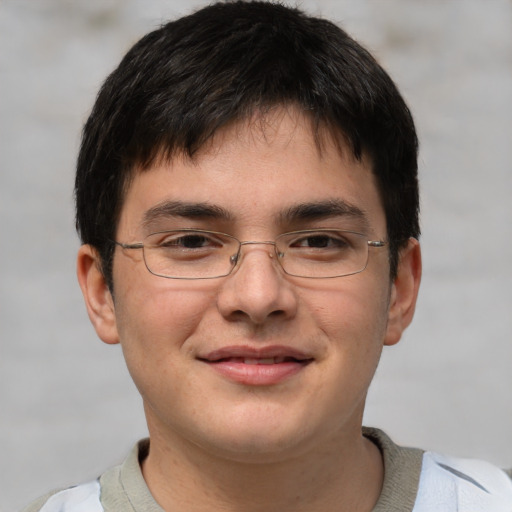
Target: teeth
(265, 360)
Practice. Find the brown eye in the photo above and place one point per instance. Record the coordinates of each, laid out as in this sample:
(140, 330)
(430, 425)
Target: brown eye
(192, 241)
(320, 241)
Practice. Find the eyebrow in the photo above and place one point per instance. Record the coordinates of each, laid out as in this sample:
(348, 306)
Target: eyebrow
(324, 209)
(309, 211)
(167, 209)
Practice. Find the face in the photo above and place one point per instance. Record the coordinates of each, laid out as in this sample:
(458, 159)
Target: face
(257, 363)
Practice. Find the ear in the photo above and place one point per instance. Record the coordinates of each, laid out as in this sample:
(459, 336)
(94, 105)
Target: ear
(404, 292)
(97, 296)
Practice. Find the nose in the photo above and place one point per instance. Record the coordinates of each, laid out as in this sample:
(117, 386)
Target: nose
(257, 289)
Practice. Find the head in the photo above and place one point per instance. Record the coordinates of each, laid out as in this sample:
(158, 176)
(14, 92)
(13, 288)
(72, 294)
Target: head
(253, 120)
(183, 83)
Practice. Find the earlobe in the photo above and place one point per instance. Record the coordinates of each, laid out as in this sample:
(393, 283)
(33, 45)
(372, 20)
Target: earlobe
(404, 292)
(97, 296)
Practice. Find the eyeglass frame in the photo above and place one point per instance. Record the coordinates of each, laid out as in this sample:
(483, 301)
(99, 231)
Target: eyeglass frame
(235, 259)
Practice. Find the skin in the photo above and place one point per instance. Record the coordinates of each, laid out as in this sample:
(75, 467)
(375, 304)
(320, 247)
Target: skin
(216, 443)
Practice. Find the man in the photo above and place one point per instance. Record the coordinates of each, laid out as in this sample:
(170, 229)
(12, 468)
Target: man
(247, 198)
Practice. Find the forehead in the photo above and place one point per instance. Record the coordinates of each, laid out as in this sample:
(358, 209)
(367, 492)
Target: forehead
(259, 171)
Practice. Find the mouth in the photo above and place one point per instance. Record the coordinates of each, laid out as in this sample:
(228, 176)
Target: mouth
(257, 367)
(256, 360)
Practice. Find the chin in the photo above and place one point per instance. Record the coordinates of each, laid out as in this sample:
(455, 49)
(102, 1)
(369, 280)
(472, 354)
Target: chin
(264, 440)
(256, 449)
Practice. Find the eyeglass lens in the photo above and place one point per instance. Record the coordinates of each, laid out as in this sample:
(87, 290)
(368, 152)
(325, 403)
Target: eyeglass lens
(190, 254)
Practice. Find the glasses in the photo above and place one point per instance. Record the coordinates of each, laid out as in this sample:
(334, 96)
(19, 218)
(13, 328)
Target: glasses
(199, 254)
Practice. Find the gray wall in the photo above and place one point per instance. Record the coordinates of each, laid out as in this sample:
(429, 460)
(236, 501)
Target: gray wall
(68, 407)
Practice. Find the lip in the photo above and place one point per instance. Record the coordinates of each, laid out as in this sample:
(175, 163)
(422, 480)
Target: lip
(262, 366)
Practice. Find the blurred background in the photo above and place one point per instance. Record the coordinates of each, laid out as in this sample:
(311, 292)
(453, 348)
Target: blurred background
(68, 409)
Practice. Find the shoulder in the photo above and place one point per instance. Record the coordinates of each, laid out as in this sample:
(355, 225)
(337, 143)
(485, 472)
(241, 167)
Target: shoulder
(479, 473)
(474, 485)
(81, 498)
(119, 488)
(423, 481)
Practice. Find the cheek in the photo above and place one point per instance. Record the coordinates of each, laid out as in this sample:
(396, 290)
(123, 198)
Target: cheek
(154, 329)
(157, 318)
(352, 318)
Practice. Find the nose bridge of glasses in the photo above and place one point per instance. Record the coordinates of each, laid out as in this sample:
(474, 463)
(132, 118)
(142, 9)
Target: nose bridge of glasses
(235, 258)
(256, 242)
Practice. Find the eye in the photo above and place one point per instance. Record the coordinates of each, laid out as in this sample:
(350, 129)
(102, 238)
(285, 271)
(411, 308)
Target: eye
(329, 240)
(189, 241)
(180, 240)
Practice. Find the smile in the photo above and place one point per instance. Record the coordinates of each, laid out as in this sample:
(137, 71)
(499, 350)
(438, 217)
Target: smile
(253, 360)
(257, 367)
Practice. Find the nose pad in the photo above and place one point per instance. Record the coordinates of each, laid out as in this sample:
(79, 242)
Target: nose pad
(236, 258)
(256, 290)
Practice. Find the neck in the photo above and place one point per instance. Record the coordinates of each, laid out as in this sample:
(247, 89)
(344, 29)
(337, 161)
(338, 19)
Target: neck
(340, 477)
